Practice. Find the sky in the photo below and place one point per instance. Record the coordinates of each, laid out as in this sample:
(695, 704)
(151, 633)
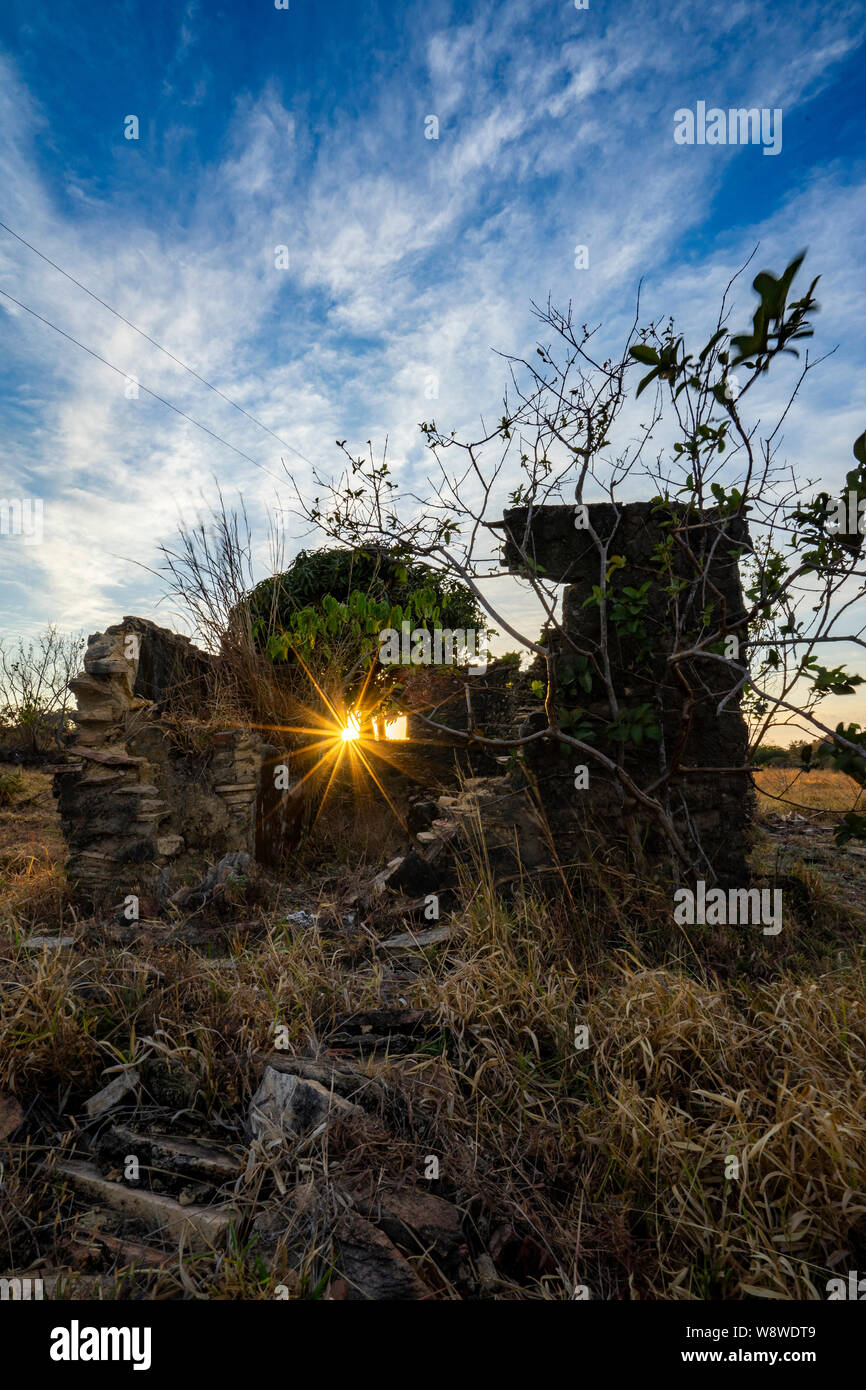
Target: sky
(406, 257)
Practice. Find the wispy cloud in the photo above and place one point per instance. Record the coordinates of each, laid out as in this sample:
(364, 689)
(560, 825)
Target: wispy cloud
(407, 256)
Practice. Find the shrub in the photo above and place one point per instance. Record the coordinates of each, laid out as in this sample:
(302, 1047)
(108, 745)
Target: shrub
(329, 608)
(11, 788)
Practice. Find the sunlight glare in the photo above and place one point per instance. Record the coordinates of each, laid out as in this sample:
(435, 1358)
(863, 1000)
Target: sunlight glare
(352, 728)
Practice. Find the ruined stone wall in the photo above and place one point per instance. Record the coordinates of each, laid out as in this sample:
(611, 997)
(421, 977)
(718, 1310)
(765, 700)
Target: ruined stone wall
(139, 810)
(493, 708)
(703, 733)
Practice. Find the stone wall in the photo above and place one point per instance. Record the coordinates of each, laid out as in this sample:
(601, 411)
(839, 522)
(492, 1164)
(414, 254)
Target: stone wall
(703, 733)
(140, 810)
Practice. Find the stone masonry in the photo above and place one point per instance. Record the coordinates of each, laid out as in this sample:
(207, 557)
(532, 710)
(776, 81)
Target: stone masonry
(139, 810)
(697, 765)
(142, 808)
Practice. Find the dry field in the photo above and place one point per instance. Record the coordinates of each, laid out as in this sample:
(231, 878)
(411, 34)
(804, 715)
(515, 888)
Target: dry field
(607, 1165)
(785, 789)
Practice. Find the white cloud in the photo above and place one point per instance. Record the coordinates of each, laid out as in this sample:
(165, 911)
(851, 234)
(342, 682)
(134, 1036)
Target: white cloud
(408, 257)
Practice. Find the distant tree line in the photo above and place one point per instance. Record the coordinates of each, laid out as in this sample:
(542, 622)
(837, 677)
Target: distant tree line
(801, 753)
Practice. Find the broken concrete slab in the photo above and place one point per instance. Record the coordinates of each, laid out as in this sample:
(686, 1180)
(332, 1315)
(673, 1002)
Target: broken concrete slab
(301, 918)
(432, 936)
(93, 1240)
(199, 1227)
(184, 1158)
(410, 873)
(170, 845)
(378, 1099)
(344, 1079)
(414, 1021)
(11, 1114)
(116, 759)
(395, 1031)
(49, 943)
(416, 1221)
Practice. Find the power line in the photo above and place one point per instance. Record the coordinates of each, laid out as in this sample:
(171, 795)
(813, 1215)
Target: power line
(147, 336)
(125, 375)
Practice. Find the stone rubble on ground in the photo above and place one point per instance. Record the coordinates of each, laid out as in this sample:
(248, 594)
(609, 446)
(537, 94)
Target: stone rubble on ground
(113, 1093)
(287, 1106)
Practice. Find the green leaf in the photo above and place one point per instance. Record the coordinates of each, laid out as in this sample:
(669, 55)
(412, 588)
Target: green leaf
(711, 344)
(646, 381)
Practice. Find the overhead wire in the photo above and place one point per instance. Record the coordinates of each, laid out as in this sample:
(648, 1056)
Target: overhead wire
(140, 384)
(153, 341)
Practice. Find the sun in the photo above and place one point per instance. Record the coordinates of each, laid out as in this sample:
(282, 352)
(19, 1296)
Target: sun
(333, 737)
(351, 729)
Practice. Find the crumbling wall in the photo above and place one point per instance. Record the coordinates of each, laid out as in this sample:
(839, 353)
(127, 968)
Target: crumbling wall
(486, 704)
(697, 764)
(139, 810)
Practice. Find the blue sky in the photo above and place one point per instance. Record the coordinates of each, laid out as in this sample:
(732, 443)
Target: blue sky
(407, 256)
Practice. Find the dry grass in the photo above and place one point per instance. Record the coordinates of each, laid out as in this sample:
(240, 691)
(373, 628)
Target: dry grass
(784, 789)
(32, 883)
(614, 1161)
(618, 1154)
